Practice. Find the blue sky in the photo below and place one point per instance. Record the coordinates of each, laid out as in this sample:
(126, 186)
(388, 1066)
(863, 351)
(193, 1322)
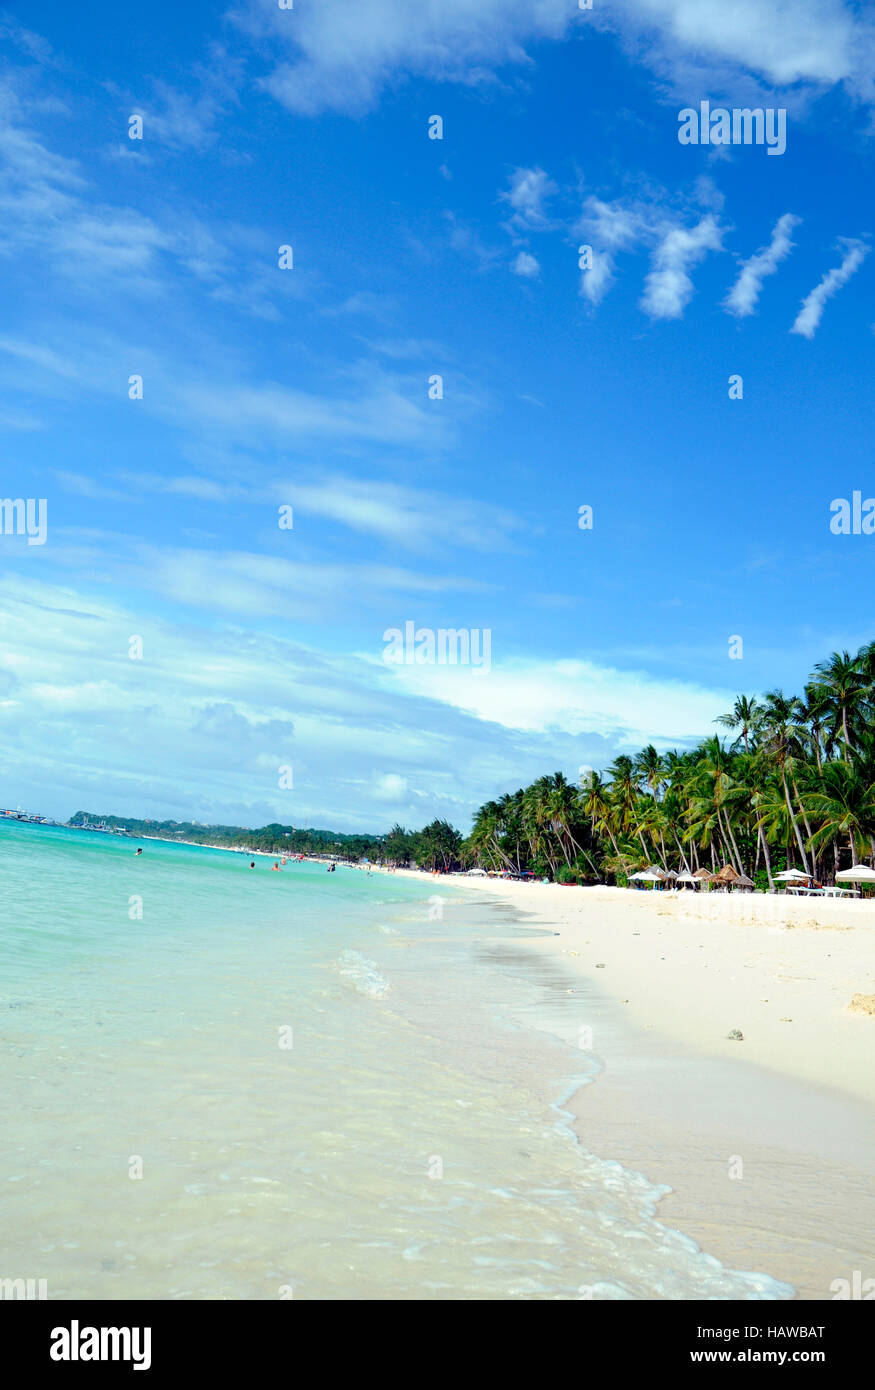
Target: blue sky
(262, 647)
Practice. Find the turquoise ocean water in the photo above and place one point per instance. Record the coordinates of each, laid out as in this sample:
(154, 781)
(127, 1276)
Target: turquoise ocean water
(297, 1084)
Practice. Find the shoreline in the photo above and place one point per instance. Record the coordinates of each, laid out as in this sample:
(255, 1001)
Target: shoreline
(763, 1144)
(782, 971)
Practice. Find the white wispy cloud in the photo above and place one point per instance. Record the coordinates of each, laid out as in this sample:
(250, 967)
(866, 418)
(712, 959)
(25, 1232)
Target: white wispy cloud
(339, 55)
(199, 726)
(364, 403)
(813, 305)
(373, 408)
(743, 296)
(669, 287)
(526, 265)
(787, 41)
(415, 519)
(252, 585)
(579, 697)
(56, 222)
(610, 227)
(188, 120)
(528, 194)
(218, 711)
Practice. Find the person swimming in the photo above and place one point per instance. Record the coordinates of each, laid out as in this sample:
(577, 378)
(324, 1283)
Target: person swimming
(252, 865)
(140, 851)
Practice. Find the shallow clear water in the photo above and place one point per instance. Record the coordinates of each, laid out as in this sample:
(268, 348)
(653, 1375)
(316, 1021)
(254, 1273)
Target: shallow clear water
(328, 1086)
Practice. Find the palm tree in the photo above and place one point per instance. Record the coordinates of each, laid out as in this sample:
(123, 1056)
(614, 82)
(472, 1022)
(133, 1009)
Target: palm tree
(746, 714)
(842, 684)
(650, 768)
(845, 807)
(625, 788)
(601, 809)
(779, 731)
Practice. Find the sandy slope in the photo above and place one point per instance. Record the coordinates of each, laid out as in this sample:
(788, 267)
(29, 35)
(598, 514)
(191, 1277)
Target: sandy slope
(780, 970)
(766, 1143)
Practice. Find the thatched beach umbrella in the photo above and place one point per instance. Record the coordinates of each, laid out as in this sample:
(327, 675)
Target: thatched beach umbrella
(704, 875)
(727, 875)
(744, 882)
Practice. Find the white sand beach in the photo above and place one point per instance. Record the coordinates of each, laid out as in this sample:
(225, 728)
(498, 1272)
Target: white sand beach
(765, 1141)
(781, 970)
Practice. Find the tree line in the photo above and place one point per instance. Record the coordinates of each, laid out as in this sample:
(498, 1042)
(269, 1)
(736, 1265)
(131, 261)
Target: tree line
(794, 786)
(436, 846)
(791, 784)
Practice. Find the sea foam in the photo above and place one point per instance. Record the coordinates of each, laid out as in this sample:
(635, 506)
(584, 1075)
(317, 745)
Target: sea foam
(365, 975)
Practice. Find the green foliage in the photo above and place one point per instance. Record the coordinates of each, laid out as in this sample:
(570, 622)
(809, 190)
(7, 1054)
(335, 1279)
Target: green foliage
(270, 839)
(436, 846)
(796, 788)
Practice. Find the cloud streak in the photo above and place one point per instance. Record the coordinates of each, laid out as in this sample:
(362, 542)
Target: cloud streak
(742, 298)
(808, 319)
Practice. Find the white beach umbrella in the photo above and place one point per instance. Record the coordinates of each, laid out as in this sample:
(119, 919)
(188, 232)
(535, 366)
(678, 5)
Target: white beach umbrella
(646, 876)
(789, 875)
(686, 877)
(857, 873)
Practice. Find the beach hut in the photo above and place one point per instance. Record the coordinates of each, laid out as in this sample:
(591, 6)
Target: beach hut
(726, 877)
(659, 873)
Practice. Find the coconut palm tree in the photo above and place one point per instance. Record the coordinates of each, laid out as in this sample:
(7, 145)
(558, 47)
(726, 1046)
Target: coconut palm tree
(843, 808)
(747, 715)
(781, 738)
(841, 683)
(601, 809)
